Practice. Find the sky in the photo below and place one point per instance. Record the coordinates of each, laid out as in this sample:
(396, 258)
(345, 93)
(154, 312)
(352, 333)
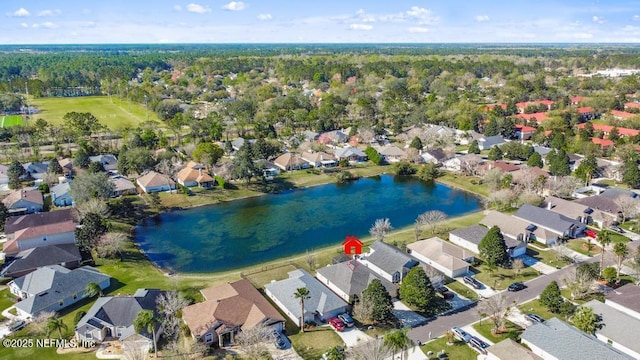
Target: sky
(320, 21)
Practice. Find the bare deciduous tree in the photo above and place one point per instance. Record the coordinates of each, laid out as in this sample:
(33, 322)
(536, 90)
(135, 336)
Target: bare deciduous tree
(363, 311)
(563, 253)
(432, 218)
(628, 207)
(367, 135)
(95, 206)
(169, 305)
(500, 199)
(39, 323)
(561, 186)
(469, 165)
(417, 230)
(493, 179)
(517, 265)
(380, 229)
(310, 259)
(530, 197)
(580, 284)
(111, 244)
(497, 308)
(436, 277)
(374, 349)
(133, 350)
(253, 340)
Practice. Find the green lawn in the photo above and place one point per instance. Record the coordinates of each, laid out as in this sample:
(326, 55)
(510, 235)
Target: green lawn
(7, 299)
(484, 328)
(458, 350)
(468, 183)
(501, 278)
(10, 120)
(462, 290)
(548, 257)
(112, 112)
(567, 295)
(580, 245)
(534, 307)
(314, 342)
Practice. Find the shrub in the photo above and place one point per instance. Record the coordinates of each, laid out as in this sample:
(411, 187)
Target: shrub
(404, 168)
(609, 274)
(567, 308)
(78, 316)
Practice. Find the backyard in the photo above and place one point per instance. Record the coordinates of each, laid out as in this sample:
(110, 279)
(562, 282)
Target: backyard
(314, 342)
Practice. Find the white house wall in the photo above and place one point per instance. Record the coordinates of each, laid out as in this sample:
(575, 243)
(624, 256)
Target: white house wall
(618, 346)
(54, 239)
(464, 243)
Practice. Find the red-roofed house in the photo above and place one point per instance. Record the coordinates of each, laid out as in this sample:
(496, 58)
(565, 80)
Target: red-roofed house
(632, 105)
(621, 115)
(604, 143)
(504, 166)
(524, 132)
(538, 117)
(586, 113)
(576, 100)
(522, 105)
(606, 129)
(492, 106)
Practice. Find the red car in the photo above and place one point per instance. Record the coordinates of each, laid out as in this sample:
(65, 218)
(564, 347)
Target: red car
(336, 324)
(590, 233)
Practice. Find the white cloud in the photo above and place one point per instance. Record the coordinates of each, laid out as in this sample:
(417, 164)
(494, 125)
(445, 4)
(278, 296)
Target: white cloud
(177, 7)
(424, 16)
(418, 29)
(235, 6)
(24, 25)
(597, 20)
(482, 18)
(22, 12)
(635, 18)
(264, 17)
(86, 11)
(198, 9)
(46, 25)
(364, 27)
(50, 12)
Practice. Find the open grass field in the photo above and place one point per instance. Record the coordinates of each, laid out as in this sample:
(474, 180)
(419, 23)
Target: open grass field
(113, 113)
(10, 120)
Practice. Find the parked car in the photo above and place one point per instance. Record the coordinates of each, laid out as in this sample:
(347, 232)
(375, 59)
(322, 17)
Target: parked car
(16, 325)
(478, 344)
(346, 319)
(336, 324)
(616, 229)
(444, 292)
(280, 342)
(461, 334)
(516, 286)
(533, 318)
(473, 282)
(590, 233)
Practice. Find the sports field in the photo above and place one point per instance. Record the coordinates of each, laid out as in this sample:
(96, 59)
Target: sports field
(10, 120)
(113, 113)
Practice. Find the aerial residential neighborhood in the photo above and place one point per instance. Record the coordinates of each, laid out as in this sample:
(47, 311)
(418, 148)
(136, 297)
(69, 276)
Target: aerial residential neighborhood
(340, 180)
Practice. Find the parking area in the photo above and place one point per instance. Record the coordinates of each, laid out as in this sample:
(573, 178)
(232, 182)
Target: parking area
(406, 316)
(352, 336)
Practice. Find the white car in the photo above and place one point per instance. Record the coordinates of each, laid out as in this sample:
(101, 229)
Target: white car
(461, 334)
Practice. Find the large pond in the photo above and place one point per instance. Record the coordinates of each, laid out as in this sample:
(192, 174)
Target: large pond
(254, 230)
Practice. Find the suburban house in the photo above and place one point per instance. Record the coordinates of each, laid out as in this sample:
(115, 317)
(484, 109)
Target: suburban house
(319, 159)
(524, 132)
(528, 175)
(16, 223)
(26, 261)
(36, 170)
(227, 310)
(559, 224)
(37, 236)
(625, 299)
(556, 340)
(517, 229)
(620, 330)
(538, 117)
(434, 156)
(67, 166)
(459, 163)
(239, 142)
(351, 154)
(289, 162)
(505, 167)
(53, 288)
(348, 279)
(111, 318)
(310, 135)
(391, 153)
(321, 306)
(449, 259)
(508, 350)
(586, 113)
(194, 174)
(571, 209)
(622, 115)
(470, 237)
(388, 261)
(23, 201)
(153, 182)
(605, 209)
(108, 161)
(487, 142)
(122, 186)
(60, 194)
(333, 137)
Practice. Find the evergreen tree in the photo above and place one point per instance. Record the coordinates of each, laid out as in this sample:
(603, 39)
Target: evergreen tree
(614, 134)
(373, 155)
(491, 127)
(243, 165)
(551, 297)
(81, 159)
(493, 247)
(586, 133)
(558, 142)
(559, 164)
(535, 160)
(379, 298)
(495, 153)
(14, 172)
(631, 174)
(428, 172)
(587, 169)
(92, 228)
(586, 320)
(416, 289)
(416, 143)
(4, 214)
(474, 148)
(54, 167)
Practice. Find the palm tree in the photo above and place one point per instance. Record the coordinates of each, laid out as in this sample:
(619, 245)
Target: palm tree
(56, 324)
(398, 341)
(621, 251)
(145, 320)
(302, 294)
(604, 239)
(93, 289)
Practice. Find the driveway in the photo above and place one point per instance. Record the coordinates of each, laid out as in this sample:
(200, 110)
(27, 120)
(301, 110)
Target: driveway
(407, 316)
(288, 353)
(485, 292)
(352, 336)
(538, 265)
(4, 329)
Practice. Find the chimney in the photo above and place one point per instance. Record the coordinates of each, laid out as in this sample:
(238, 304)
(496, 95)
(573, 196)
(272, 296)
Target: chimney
(200, 171)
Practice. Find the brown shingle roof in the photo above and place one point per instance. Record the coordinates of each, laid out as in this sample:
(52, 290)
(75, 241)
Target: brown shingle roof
(16, 223)
(191, 172)
(34, 196)
(152, 179)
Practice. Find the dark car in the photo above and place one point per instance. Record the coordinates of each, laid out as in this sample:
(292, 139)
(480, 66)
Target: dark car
(533, 318)
(516, 286)
(345, 318)
(616, 229)
(280, 343)
(444, 292)
(473, 282)
(478, 344)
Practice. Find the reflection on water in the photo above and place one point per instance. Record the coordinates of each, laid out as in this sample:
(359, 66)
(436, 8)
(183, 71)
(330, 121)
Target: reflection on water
(253, 230)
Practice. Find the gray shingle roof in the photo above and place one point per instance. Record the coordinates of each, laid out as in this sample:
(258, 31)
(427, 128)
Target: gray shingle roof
(627, 296)
(349, 151)
(55, 283)
(31, 259)
(353, 278)
(615, 193)
(16, 223)
(389, 258)
(565, 342)
(322, 299)
(473, 233)
(618, 326)
(545, 218)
